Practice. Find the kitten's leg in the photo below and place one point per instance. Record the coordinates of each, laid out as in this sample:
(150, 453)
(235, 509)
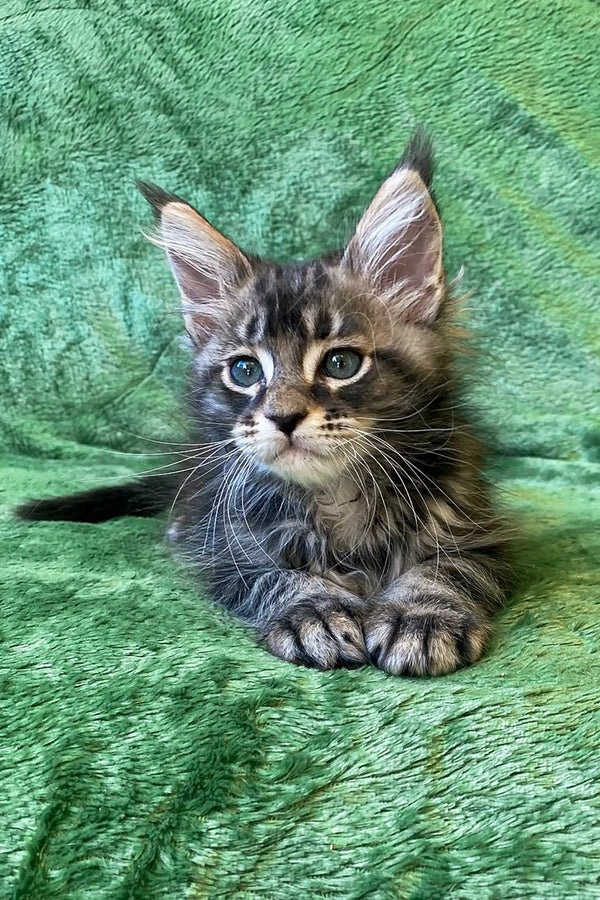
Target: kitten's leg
(307, 619)
(436, 617)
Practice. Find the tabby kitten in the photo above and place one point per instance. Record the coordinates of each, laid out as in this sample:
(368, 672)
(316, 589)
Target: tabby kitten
(336, 503)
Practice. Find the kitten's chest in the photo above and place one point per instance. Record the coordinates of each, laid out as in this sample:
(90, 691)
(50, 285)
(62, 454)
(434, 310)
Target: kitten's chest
(357, 531)
(340, 515)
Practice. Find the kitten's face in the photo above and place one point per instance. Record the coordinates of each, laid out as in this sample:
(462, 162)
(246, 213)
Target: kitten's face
(307, 371)
(303, 366)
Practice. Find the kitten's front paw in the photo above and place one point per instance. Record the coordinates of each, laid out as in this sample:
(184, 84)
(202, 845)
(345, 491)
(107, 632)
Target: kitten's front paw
(325, 633)
(405, 640)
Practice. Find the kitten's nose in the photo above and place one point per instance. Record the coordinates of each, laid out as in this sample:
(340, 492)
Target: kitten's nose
(288, 422)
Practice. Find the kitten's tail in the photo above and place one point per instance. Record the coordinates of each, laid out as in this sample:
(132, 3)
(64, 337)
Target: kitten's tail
(136, 498)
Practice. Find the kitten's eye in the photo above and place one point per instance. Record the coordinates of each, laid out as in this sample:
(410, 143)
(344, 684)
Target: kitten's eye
(246, 371)
(342, 363)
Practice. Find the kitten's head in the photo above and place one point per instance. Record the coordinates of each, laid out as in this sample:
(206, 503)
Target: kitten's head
(307, 365)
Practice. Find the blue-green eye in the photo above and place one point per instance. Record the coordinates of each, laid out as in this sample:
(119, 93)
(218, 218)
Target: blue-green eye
(342, 363)
(246, 371)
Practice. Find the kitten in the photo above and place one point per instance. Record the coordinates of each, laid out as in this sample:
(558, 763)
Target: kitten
(336, 503)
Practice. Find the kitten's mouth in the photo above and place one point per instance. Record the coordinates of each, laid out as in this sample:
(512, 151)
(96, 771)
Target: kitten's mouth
(296, 458)
(304, 465)
(295, 450)
(300, 461)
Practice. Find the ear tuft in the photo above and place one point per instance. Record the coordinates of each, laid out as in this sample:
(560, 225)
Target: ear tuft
(418, 156)
(397, 244)
(155, 196)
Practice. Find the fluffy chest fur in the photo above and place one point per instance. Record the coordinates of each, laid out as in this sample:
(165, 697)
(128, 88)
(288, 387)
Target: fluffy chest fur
(355, 534)
(341, 514)
(363, 532)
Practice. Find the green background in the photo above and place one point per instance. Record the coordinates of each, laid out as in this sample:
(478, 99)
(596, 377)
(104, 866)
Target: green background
(148, 748)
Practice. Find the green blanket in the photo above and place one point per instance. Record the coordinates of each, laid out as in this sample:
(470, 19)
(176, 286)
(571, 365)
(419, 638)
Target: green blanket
(148, 748)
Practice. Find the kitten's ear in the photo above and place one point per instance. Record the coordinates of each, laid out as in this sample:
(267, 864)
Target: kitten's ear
(398, 242)
(204, 262)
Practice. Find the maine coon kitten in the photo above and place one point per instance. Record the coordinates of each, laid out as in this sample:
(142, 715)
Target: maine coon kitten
(336, 502)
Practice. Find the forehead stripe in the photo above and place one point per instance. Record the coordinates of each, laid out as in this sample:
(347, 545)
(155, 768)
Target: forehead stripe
(253, 329)
(322, 324)
(311, 360)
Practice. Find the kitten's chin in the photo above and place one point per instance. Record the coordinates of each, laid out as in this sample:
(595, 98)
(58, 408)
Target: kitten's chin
(304, 468)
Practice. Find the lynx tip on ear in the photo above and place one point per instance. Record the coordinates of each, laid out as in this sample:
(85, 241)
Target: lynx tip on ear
(156, 197)
(418, 156)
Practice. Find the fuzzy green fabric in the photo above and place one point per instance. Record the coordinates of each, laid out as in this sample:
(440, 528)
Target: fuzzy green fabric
(148, 748)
